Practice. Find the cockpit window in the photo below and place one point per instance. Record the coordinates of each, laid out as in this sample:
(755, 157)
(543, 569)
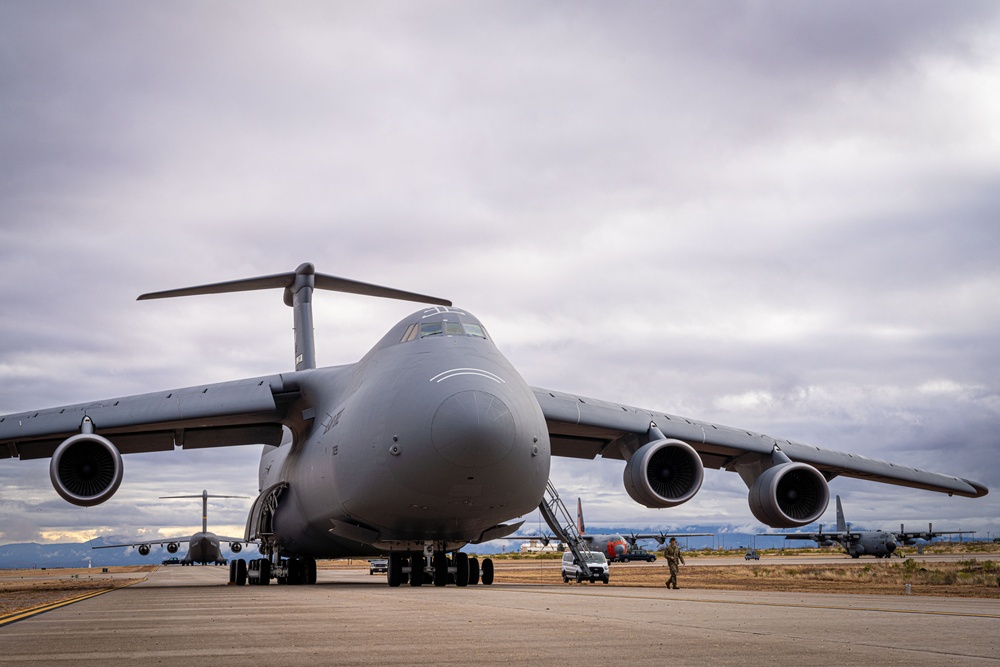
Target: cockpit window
(474, 330)
(445, 328)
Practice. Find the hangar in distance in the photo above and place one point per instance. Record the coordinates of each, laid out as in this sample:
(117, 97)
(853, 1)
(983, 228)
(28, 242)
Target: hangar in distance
(431, 441)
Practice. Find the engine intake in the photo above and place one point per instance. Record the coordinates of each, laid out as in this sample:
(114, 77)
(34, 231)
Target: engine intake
(789, 495)
(236, 547)
(664, 473)
(143, 549)
(173, 547)
(86, 469)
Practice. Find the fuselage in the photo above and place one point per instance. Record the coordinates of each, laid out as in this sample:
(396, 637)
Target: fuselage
(203, 547)
(432, 436)
(612, 546)
(874, 543)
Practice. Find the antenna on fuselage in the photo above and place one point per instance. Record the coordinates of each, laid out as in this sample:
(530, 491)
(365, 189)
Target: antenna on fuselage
(299, 286)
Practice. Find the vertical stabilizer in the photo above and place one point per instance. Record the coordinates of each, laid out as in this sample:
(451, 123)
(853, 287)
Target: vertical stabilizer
(579, 517)
(841, 524)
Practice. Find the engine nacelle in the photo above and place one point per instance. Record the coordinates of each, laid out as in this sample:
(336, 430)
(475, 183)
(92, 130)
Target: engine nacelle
(664, 473)
(143, 549)
(236, 547)
(789, 495)
(86, 469)
(173, 547)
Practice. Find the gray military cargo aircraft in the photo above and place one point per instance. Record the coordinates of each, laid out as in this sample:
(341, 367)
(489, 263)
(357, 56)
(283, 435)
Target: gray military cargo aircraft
(431, 441)
(878, 543)
(203, 547)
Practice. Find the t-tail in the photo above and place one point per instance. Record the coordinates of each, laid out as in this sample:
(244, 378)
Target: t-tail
(579, 517)
(298, 288)
(841, 524)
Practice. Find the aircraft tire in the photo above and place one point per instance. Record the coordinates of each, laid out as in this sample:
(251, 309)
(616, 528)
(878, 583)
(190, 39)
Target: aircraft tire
(310, 571)
(440, 568)
(461, 569)
(473, 571)
(232, 572)
(416, 568)
(265, 572)
(487, 572)
(394, 573)
(241, 572)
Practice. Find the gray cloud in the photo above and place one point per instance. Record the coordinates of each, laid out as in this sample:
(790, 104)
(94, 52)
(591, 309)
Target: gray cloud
(780, 217)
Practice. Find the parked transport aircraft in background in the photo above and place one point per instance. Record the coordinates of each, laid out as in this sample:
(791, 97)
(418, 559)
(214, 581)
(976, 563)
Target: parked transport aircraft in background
(878, 543)
(203, 547)
(431, 441)
(615, 545)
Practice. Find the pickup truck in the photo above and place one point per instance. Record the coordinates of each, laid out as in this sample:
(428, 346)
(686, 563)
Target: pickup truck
(173, 560)
(635, 554)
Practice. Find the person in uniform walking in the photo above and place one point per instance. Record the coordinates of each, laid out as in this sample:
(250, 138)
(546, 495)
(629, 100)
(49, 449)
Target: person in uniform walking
(672, 553)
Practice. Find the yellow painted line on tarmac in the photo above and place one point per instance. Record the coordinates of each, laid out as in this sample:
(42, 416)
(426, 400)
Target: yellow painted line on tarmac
(49, 606)
(757, 603)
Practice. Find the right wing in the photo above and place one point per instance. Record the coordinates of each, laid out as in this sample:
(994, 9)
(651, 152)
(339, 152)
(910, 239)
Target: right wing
(147, 543)
(239, 412)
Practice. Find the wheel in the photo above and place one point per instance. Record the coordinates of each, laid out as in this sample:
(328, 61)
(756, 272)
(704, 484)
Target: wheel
(310, 571)
(461, 569)
(417, 568)
(232, 572)
(605, 579)
(440, 568)
(241, 572)
(624, 559)
(579, 578)
(473, 571)
(394, 573)
(487, 572)
(565, 578)
(265, 572)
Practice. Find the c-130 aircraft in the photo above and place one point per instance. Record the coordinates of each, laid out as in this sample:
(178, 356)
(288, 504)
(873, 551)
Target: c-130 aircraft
(430, 442)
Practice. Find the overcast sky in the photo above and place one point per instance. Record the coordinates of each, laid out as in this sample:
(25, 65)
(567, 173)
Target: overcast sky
(778, 216)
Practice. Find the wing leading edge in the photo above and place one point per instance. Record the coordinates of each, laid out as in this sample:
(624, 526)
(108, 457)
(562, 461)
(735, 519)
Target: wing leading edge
(582, 427)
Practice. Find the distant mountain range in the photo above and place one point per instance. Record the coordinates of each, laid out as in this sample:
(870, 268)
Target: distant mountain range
(77, 554)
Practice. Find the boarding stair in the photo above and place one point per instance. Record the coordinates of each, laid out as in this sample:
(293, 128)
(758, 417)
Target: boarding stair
(561, 522)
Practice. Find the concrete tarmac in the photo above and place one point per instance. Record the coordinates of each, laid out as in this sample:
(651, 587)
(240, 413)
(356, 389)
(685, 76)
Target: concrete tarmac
(190, 614)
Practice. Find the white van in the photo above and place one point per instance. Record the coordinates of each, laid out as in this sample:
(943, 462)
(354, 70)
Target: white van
(596, 563)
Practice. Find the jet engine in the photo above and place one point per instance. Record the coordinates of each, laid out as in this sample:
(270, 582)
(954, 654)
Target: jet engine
(236, 547)
(789, 495)
(173, 547)
(86, 469)
(664, 473)
(143, 549)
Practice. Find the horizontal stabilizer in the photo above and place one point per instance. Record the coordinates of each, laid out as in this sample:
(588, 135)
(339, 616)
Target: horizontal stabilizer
(288, 280)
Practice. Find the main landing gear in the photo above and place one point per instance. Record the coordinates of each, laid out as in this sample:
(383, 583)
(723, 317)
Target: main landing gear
(436, 567)
(259, 571)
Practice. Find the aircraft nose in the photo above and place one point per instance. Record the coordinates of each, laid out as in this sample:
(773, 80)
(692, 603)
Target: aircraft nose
(890, 546)
(473, 429)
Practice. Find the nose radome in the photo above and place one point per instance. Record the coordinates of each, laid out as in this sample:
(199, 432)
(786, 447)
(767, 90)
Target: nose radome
(473, 429)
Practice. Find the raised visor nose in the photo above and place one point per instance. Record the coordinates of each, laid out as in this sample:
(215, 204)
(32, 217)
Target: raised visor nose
(473, 429)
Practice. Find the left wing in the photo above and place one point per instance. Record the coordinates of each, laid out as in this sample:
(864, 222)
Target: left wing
(666, 455)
